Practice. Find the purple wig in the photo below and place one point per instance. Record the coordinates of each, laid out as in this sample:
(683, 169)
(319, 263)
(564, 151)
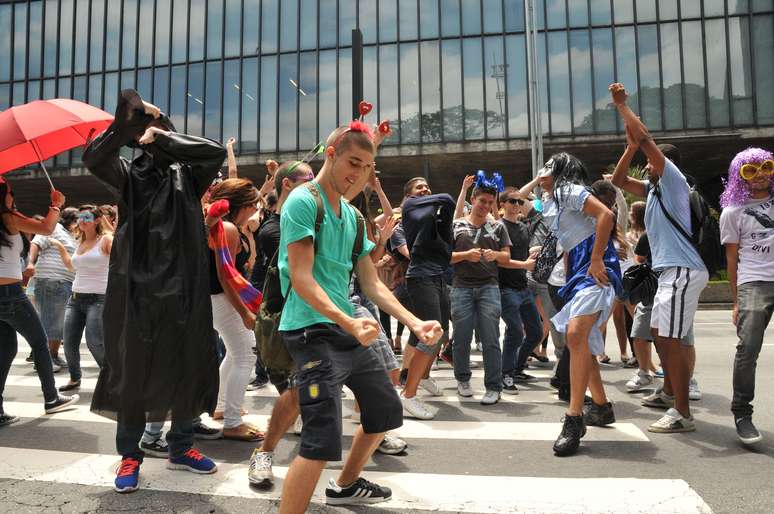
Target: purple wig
(736, 190)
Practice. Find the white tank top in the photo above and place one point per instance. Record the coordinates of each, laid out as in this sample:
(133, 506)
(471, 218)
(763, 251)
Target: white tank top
(10, 258)
(91, 270)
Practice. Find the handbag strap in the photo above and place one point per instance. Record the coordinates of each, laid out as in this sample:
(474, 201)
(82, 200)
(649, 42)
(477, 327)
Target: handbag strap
(657, 193)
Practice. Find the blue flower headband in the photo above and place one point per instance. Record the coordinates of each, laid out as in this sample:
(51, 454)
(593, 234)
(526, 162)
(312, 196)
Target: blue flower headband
(496, 182)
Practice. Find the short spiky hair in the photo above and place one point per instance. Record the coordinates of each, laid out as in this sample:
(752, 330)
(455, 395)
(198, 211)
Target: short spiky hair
(355, 133)
(737, 192)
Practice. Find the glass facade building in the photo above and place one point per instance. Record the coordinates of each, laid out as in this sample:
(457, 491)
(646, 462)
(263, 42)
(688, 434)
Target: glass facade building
(277, 74)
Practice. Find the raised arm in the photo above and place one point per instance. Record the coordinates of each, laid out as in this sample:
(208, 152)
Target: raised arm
(639, 132)
(232, 166)
(43, 227)
(383, 200)
(620, 177)
(527, 188)
(459, 210)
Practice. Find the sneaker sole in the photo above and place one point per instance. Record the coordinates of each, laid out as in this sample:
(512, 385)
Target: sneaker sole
(514, 391)
(10, 421)
(126, 489)
(64, 406)
(185, 467)
(264, 483)
(391, 451)
(355, 501)
(667, 430)
(465, 395)
(657, 405)
(750, 440)
(488, 403)
(423, 418)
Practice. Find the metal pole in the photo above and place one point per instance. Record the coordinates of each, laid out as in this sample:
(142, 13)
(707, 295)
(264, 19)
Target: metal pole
(536, 95)
(530, 86)
(357, 72)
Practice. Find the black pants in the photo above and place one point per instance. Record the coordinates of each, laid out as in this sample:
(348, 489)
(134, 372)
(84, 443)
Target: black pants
(563, 367)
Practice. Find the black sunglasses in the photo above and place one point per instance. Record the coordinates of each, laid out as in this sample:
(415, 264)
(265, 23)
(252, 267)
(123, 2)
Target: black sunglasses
(515, 201)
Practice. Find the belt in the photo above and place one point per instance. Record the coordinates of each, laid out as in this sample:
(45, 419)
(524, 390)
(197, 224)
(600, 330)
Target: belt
(86, 296)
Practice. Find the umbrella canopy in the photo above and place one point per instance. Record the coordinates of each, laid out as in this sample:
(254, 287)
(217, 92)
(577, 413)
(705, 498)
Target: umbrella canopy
(39, 130)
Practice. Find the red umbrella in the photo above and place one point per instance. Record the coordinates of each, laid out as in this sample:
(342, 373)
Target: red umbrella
(41, 129)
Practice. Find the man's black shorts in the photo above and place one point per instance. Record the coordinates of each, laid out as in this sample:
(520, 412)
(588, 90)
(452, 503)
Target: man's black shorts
(326, 358)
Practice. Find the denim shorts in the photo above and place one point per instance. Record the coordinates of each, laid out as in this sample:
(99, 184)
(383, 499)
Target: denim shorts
(51, 299)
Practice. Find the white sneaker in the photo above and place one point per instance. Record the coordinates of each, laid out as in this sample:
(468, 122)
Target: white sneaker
(694, 393)
(391, 445)
(641, 380)
(260, 473)
(298, 426)
(431, 386)
(478, 347)
(464, 389)
(490, 397)
(673, 422)
(417, 408)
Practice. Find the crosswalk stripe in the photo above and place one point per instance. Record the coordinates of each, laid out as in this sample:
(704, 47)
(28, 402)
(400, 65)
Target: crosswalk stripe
(480, 430)
(497, 494)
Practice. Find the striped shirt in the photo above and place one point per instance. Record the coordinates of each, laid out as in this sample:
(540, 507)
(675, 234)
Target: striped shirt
(50, 265)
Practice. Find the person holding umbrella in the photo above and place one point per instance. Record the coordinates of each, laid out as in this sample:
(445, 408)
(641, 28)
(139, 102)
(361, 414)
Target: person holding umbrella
(16, 312)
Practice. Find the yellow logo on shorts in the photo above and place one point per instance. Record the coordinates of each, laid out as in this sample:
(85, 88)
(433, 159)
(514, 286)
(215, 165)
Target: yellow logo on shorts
(314, 391)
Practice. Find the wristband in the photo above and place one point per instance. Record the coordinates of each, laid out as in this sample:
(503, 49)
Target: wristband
(55, 208)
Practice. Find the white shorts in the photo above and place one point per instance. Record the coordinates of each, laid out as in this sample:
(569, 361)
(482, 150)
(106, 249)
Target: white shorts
(676, 301)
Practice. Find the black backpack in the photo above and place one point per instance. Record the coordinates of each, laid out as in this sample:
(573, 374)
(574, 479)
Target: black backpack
(705, 235)
(274, 355)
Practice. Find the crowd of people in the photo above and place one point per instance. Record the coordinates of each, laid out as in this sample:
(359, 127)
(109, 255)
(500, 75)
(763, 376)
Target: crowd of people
(198, 286)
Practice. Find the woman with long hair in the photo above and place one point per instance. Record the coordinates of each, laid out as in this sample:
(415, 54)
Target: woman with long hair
(16, 312)
(231, 317)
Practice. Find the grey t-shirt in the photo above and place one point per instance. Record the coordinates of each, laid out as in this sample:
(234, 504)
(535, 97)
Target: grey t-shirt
(491, 235)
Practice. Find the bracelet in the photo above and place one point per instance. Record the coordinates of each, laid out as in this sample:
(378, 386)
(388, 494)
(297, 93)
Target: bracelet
(55, 208)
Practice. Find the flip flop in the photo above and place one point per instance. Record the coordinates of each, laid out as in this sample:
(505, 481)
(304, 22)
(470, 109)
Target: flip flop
(247, 432)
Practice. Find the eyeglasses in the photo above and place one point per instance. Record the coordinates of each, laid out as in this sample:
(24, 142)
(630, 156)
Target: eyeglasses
(750, 170)
(515, 201)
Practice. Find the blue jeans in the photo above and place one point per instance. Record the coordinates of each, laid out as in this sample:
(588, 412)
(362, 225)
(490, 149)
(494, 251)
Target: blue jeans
(83, 310)
(18, 315)
(179, 438)
(51, 297)
(479, 308)
(519, 309)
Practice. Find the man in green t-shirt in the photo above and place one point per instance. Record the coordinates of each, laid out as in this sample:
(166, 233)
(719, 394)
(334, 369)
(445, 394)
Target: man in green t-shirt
(329, 346)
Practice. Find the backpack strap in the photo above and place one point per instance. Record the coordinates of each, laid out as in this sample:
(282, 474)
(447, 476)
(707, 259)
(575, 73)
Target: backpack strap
(657, 193)
(318, 221)
(357, 247)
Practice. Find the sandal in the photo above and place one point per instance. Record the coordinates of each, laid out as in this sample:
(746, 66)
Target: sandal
(541, 358)
(69, 386)
(604, 359)
(244, 432)
(218, 414)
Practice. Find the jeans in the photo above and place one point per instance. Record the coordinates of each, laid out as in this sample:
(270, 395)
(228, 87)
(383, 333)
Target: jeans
(51, 297)
(83, 310)
(479, 308)
(239, 361)
(756, 304)
(179, 438)
(428, 301)
(18, 315)
(518, 306)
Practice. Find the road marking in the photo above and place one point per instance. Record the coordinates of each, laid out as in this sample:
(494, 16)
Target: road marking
(420, 491)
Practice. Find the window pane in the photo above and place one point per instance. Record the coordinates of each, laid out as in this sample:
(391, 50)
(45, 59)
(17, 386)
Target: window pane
(741, 76)
(328, 30)
(111, 92)
(368, 20)
(179, 30)
(650, 78)
(409, 93)
(431, 92)
(672, 81)
(624, 12)
(178, 97)
(5, 90)
(494, 75)
(543, 85)
(667, 10)
(231, 94)
(514, 15)
(516, 76)
(249, 142)
(763, 41)
(160, 88)
(309, 32)
(196, 33)
(580, 57)
(602, 45)
(408, 19)
(473, 88)
(212, 102)
(690, 8)
(36, 24)
(97, 35)
(693, 73)
(145, 50)
(268, 137)
(556, 13)
(233, 26)
(33, 90)
(559, 80)
(327, 119)
(452, 91)
(388, 83)
(288, 97)
(600, 12)
(66, 36)
(79, 89)
(214, 29)
(347, 21)
(493, 16)
(717, 82)
(450, 17)
(428, 18)
(144, 83)
(130, 34)
(345, 86)
(195, 99)
(738, 6)
(52, 19)
(5, 43)
(388, 22)
(471, 18)
(288, 25)
(579, 13)
(250, 26)
(370, 72)
(307, 123)
(626, 61)
(762, 5)
(20, 41)
(269, 16)
(162, 31)
(714, 7)
(540, 14)
(646, 10)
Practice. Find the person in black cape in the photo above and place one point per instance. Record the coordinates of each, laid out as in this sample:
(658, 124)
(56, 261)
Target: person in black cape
(160, 348)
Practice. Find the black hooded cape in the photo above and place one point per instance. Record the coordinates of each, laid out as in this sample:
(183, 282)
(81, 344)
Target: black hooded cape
(160, 351)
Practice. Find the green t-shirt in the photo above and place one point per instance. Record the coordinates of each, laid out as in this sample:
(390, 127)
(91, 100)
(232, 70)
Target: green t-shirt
(333, 256)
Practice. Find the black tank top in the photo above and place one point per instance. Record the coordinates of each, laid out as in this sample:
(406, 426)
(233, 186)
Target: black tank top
(240, 261)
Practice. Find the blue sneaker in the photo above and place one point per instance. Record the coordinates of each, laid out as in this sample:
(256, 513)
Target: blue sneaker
(194, 462)
(128, 476)
(659, 373)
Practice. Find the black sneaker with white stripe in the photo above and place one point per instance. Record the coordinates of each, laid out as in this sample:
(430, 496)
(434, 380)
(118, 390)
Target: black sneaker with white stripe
(360, 492)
